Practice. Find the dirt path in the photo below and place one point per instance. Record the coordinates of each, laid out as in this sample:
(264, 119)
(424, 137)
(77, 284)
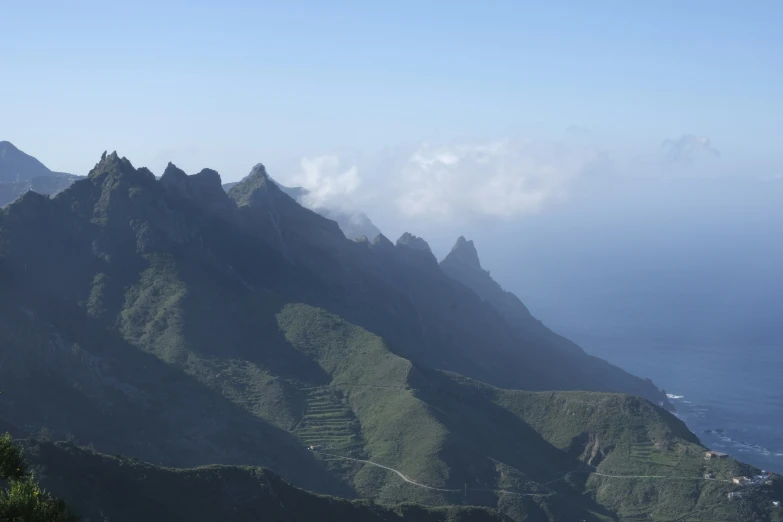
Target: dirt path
(669, 477)
(504, 491)
(419, 484)
(399, 474)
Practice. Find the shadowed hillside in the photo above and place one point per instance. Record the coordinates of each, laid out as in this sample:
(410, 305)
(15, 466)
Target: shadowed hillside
(100, 487)
(462, 264)
(168, 321)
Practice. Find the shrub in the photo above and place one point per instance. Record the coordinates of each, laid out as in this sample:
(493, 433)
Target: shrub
(21, 498)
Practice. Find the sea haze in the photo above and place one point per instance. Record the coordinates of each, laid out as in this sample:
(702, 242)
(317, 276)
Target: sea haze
(676, 280)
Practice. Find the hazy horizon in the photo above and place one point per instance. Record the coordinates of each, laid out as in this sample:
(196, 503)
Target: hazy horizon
(175, 347)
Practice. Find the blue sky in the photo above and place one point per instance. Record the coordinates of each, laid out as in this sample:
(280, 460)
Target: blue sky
(227, 85)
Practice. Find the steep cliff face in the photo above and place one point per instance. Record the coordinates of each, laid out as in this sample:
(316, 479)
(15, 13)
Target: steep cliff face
(462, 264)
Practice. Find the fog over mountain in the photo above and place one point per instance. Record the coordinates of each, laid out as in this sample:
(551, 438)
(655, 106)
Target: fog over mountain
(583, 232)
(666, 261)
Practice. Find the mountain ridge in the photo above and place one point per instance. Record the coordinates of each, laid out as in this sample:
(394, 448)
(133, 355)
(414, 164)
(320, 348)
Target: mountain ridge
(97, 487)
(20, 173)
(353, 225)
(138, 318)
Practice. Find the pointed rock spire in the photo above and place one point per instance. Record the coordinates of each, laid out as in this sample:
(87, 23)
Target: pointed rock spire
(256, 188)
(112, 164)
(258, 176)
(174, 179)
(464, 253)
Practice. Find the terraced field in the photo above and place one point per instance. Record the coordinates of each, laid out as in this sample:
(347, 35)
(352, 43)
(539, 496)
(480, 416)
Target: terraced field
(330, 424)
(647, 453)
(641, 451)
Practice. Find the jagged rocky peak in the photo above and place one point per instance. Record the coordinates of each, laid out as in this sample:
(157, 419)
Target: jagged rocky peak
(464, 253)
(408, 240)
(206, 181)
(259, 173)
(173, 172)
(173, 177)
(256, 185)
(416, 248)
(112, 165)
(204, 189)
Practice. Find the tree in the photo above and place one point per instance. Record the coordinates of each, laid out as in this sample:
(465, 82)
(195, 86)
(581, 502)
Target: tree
(22, 499)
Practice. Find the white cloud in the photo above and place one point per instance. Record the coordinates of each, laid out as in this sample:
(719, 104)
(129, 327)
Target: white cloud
(501, 179)
(327, 180)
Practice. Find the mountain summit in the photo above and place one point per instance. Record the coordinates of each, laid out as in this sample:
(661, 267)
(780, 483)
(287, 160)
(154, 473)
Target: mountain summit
(353, 224)
(16, 166)
(462, 264)
(464, 253)
(20, 173)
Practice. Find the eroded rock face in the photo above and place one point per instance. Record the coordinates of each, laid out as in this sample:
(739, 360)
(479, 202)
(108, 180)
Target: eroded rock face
(588, 449)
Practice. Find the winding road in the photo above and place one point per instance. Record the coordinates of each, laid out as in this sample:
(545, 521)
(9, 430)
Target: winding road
(669, 477)
(399, 474)
(504, 491)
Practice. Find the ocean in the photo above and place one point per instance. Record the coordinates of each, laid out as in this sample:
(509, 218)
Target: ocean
(730, 396)
(674, 279)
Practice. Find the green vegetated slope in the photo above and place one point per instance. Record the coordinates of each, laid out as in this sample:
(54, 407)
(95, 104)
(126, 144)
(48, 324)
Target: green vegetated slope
(166, 321)
(534, 455)
(100, 487)
(400, 293)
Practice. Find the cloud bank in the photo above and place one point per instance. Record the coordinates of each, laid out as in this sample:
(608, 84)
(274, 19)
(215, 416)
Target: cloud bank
(500, 179)
(327, 181)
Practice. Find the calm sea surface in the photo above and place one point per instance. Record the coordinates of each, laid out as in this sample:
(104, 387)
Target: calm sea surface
(731, 397)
